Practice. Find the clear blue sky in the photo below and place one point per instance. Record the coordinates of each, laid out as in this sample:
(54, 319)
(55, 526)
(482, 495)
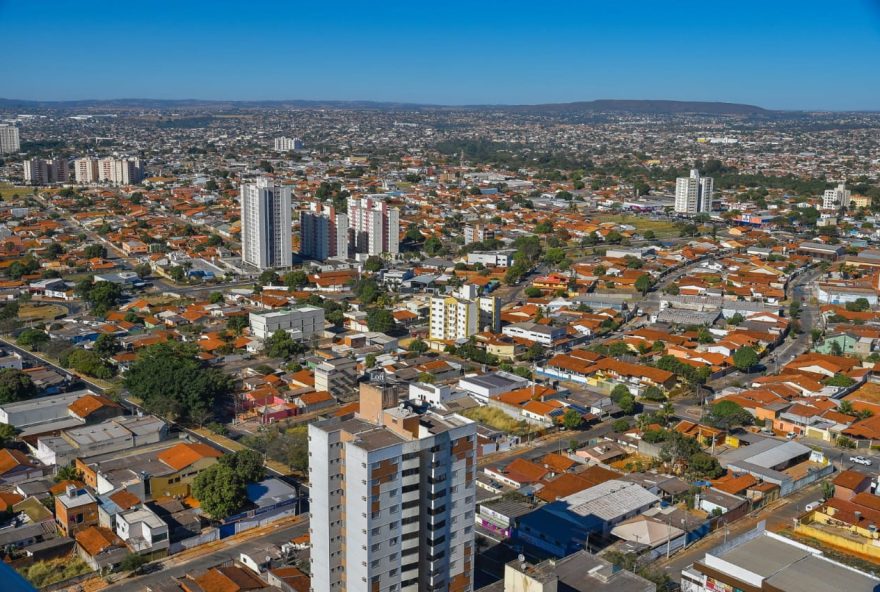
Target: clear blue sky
(780, 54)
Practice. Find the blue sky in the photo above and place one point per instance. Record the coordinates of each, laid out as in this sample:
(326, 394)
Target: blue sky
(774, 53)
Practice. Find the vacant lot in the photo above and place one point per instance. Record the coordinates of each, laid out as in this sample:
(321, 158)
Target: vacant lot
(496, 419)
(41, 312)
(661, 228)
(7, 190)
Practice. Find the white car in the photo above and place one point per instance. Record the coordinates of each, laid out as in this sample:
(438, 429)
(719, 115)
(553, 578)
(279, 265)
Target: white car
(861, 460)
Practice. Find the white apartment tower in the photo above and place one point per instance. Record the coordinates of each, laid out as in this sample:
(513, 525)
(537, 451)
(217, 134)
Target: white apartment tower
(266, 224)
(120, 171)
(375, 227)
(323, 233)
(392, 499)
(839, 197)
(693, 195)
(85, 170)
(458, 316)
(287, 144)
(9, 141)
(42, 172)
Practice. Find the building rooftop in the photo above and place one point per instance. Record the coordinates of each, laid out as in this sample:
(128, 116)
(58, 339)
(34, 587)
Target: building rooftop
(610, 500)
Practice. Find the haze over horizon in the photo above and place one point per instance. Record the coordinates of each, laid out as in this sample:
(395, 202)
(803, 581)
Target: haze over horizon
(780, 55)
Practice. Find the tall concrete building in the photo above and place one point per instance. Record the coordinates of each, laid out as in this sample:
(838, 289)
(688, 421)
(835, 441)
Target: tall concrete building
(287, 144)
(392, 499)
(120, 171)
(85, 170)
(375, 227)
(465, 313)
(265, 224)
(9, 141)
(38, 171)
(693, 195)
(323, 233)
(839, 197)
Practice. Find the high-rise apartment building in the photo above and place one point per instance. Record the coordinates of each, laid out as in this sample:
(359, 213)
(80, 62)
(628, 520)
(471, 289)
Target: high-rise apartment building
(120, 171)
(392, 499)
(375, 227)
(42, 172)
(85, 170)
(265, 224)
(839, 197)
(287, 144)
(9, 141)
(323, 233)
(465, 313)
(693, 195)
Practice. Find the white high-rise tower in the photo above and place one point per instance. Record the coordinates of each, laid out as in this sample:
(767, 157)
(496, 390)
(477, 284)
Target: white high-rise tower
(265, 224)
(693, 195)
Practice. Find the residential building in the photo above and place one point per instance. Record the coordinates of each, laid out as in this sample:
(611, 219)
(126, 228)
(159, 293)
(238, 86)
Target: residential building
(120, 171)
(765, 561)
(579, 572)
(693, 194)
(837, 198)
(474, 233)
(337, 376)
(323, 233)
(38, 171)
(502, 258)
(392, 499)
(463, 314)
(86, 170)
(375, 227)
(302, 322)
(283, 144)
(142, 530)
(265, 224)
(9, 141)
(75, 510)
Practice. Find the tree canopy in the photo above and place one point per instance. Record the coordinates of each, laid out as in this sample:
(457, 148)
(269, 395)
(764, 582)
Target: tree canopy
(15, 385)
(745, 358)
(173, 382)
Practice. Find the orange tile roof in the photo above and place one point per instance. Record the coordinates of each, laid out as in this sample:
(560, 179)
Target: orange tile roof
(88, 404)
(10, 459)
(96, 539)
(125, 499)
(183, 455)
(8, 499)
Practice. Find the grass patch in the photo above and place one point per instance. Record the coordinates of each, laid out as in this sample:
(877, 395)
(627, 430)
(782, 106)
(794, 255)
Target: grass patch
(41, 312)
(44, 573)
(661, 228)
(7, 190)
(497, 419)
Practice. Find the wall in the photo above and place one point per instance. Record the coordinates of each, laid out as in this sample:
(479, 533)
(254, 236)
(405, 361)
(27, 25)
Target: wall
(867, 549)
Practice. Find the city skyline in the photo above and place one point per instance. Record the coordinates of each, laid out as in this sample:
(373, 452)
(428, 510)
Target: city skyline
(460, 55)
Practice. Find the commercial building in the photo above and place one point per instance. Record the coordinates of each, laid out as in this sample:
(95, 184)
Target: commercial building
(86, 170)
(265, 224)
(762, 560)
(392, 499)
(283, 144)
(38, 171)
(502, 258)
(463, 314)
(301, 322)
(9, 141)
(337, 376)
(374, 226)
(693, 195)
(837, 198)
(323, 233)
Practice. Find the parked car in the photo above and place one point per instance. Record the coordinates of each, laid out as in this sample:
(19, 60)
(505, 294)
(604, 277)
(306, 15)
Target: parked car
(861, 460)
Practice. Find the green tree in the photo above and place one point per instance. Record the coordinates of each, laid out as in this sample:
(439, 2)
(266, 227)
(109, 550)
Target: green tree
(704, 466)
(246, 464)
(237, 323)
(745, 358)
(220, 491)
(380, 320)
(624, 399)
(7, 435)
(282, 345)
(840, 380)
(68, 473)
(87, 362)
(215, 297)
(95, 251)
(268, 278)
(172, 381)
(132, 562)
(106, 345)
(418, 346)
(644, 283)
(296, 279)
(374, 263)
(727, 414)
(15, 385)
(620, 425)
(33, 338)
(143, 270)
(572, 420)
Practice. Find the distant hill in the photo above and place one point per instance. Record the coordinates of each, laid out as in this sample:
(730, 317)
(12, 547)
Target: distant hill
(604, 105)
(644, 107)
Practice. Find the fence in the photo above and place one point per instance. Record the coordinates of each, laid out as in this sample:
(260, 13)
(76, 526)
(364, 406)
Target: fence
(208, 536)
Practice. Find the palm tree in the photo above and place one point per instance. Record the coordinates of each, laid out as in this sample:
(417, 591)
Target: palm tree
(845, 407)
